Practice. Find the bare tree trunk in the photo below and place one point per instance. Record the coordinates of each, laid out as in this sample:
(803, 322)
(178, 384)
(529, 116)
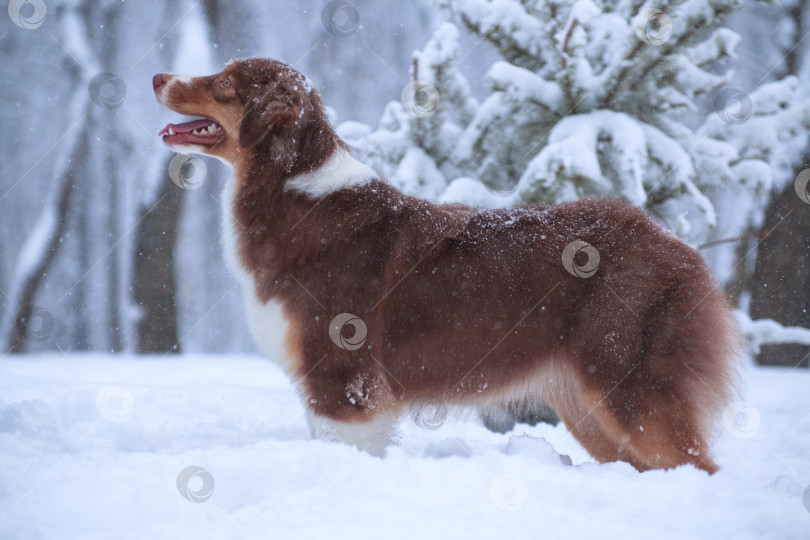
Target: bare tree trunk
(154, 287)
(742, 278)
(115, 305)
(781, 284)
(52, 225)
(108, 57)
(781, 288)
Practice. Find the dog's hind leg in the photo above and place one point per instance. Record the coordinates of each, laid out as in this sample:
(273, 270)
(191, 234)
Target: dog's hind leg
(651, 431)
(629, 422)
(591, 434)
(658, 387)
(582, 418)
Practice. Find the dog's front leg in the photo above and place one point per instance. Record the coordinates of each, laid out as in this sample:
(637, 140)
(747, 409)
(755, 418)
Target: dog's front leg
(350, 403)
(371, 436)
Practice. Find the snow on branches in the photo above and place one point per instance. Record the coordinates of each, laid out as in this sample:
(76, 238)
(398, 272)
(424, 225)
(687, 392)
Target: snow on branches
(592, 97)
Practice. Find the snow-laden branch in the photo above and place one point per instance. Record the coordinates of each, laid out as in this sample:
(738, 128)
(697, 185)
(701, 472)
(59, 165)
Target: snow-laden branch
(767, 332)
(624, 98)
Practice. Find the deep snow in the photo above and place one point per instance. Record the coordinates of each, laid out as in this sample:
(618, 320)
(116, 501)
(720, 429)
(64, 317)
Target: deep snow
(92, 447)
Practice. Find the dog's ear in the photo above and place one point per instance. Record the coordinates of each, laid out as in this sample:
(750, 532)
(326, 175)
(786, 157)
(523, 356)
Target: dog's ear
(268, 108)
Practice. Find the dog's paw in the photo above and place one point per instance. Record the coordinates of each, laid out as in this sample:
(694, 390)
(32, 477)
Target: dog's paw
(536, 447)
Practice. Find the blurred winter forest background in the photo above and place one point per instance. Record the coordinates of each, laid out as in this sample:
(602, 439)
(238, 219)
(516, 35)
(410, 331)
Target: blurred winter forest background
(696, 110)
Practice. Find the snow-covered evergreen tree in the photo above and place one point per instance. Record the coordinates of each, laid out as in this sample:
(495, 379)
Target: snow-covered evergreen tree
(413, 147)
(592, 97)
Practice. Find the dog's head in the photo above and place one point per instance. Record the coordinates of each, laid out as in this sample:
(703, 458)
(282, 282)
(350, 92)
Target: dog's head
(249, 103)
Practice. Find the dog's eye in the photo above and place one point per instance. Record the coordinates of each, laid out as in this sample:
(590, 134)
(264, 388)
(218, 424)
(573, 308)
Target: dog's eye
(226, 83)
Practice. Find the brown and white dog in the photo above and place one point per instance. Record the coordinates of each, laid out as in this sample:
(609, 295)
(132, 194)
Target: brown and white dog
(588, 305)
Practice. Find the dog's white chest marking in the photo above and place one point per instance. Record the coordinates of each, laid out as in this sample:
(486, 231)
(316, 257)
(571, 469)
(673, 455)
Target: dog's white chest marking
(265, 320)
(340, 171)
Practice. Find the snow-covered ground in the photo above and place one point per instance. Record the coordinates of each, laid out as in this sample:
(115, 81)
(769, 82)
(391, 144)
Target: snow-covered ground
(100, 447)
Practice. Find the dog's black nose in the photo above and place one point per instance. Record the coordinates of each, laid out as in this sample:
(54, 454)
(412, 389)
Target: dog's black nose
(158, 80)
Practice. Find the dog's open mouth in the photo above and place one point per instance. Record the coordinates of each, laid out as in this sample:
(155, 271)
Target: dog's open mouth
(203, 131)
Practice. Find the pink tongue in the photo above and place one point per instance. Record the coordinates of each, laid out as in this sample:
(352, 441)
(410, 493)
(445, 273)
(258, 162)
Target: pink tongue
(187, 126)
